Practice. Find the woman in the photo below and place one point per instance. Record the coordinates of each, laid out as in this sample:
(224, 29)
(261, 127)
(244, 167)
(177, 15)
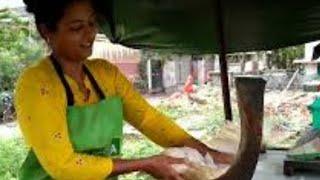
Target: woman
(70, 109)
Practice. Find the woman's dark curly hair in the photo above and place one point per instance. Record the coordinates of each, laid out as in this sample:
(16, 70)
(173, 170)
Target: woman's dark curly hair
(49, 12)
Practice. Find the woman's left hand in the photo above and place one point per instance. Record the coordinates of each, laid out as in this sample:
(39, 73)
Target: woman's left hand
(221, 157)
(217, 156)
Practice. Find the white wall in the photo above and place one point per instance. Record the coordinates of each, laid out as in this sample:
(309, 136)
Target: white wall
(311, 69)
(308, 50)
(169, 76)
(176, 72)
(11, 4)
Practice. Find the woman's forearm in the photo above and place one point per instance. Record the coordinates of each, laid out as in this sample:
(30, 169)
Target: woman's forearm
(159, 166)
(196, 144)
(122, 166)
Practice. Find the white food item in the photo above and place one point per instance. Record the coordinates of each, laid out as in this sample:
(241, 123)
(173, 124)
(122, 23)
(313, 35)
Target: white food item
(199, 167)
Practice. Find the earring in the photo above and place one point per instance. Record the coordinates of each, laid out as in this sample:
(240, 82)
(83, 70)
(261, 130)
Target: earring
(48, 40)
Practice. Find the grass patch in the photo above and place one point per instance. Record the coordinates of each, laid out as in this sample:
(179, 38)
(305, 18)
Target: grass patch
(12, 154)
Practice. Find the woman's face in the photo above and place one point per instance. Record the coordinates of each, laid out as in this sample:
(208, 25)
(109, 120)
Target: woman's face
(75, 33)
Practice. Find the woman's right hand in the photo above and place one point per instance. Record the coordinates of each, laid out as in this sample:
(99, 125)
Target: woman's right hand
(160, 167)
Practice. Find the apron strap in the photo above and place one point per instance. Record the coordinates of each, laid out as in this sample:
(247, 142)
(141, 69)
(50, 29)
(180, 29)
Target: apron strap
(67, 88)
(94, 83)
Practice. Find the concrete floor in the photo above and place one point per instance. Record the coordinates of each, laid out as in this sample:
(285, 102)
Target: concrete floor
(270, 167)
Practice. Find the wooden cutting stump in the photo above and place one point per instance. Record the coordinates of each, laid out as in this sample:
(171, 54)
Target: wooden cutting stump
(250, 93)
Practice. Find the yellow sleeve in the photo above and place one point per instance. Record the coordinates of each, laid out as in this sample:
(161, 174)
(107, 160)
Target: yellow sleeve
(139, 113)
(41, 113)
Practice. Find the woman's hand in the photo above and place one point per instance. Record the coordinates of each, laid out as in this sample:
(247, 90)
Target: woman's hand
(221, 157)
(218, 157)
(159, 166)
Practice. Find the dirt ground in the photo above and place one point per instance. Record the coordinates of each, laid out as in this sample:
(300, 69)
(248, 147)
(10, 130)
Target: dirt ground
(286, 114)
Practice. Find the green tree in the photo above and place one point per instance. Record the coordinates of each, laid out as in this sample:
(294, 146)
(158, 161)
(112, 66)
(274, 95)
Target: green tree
(20, 45)
(283, 58)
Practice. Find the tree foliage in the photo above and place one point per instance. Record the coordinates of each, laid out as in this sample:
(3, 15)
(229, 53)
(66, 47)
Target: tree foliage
(283, 58)
(20, 45)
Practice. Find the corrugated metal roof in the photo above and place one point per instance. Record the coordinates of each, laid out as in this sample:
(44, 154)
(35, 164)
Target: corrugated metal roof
(103, 48)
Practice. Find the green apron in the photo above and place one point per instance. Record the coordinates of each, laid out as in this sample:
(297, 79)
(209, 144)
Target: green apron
(94, 129)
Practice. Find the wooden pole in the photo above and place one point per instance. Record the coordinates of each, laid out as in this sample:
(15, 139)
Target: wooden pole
(223, 64)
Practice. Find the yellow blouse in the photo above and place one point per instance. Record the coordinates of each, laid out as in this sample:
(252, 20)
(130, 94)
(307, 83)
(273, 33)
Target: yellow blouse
(41, 103)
